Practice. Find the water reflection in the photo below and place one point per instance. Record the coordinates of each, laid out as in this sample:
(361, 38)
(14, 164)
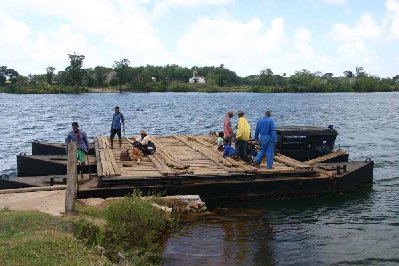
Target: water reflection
(226, 237)
(253, 232)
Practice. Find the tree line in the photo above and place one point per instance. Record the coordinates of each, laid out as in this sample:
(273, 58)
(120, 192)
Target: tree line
(124, 77)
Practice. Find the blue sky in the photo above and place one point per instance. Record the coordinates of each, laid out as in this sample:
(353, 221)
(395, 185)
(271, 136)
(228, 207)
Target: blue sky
(245, 36)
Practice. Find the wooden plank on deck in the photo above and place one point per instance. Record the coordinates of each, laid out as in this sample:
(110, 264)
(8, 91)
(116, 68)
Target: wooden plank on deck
(326, 157)
(98, 158)
(291, 162)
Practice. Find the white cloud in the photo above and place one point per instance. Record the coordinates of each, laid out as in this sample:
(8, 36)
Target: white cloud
(303, 38)
(162, 6)
(334, 2)
(195, 2)
(392, 19)
(244, 47)
(103, 30)
(354, 42)
(365, 29)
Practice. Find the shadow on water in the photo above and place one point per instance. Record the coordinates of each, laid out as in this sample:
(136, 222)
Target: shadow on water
(242, 232)
(300, 203)
(223, 237)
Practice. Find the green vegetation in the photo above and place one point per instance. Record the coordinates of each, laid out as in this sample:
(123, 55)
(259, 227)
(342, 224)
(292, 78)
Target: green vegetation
(129, 231)
(33, 238)
(174, 78)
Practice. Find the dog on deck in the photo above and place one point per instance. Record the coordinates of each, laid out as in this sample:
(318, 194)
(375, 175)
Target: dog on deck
(135, 154)
(132, 154)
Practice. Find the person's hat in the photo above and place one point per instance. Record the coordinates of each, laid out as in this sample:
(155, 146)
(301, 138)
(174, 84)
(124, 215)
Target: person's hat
(240, 113)
(230, 113)
(75, 124)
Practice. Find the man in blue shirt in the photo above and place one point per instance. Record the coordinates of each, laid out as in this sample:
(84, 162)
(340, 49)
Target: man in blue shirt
(117, 121)
(267, 139)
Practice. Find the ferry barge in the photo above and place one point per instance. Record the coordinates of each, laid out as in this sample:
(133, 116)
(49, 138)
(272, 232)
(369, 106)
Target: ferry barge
(307, 163)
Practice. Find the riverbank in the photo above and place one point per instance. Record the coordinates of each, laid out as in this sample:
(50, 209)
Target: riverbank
(186, 87)
(128, 231)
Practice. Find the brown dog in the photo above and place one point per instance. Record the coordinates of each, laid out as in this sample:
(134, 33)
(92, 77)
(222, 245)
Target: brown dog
(131, 154)
(135, 154)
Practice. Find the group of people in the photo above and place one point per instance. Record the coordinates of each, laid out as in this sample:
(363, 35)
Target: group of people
(143, 143)
(265, 137)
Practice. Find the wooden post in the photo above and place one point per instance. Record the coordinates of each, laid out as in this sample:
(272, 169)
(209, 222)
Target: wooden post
(71, 187)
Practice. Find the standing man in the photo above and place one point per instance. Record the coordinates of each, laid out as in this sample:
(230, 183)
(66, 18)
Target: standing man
(80, 137)
(242, 137)
(267, 140)
(228, 131)
(117, 121)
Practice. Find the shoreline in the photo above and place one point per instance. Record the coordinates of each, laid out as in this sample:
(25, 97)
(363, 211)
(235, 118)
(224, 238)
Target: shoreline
(202, 89)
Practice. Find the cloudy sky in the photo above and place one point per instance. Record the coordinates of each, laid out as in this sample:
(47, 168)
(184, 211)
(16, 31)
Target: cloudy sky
(244, 35)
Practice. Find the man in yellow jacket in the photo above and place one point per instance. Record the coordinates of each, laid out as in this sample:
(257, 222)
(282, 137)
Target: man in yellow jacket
(242, 137)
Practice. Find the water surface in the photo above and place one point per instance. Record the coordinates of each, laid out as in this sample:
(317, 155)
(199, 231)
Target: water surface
(356, 228)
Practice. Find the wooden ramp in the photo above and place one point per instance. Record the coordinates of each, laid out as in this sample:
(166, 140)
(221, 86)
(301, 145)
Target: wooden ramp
(183, 156)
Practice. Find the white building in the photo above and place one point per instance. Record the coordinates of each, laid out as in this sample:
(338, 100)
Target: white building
(196, 78)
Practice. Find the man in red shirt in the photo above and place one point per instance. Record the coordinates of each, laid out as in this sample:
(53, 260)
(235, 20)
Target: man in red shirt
(228, 131)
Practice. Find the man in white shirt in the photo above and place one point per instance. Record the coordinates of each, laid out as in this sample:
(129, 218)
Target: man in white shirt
(144, 143)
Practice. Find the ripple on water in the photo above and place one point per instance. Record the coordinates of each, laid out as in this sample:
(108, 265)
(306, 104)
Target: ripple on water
(360, 227)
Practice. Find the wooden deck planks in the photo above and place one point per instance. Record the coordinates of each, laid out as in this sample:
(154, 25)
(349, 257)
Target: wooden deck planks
(98, 158)
(106, 162)
(194, 145)
(183, 155)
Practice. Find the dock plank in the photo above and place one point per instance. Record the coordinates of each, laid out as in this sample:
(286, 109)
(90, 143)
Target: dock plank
(98, 158)
(326, 157)
(291, 162)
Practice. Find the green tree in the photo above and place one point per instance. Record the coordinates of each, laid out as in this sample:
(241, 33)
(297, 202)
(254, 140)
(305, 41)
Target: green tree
(349, 74)
(266, 77)
(38, 80)
(63, 78)
(121, 68)
(327, 75)
(365, 84)
(50, 74)
(100, 74)
(75, 70)
(301, 80)
(89, 78)
(3, 77)
(360, 72)
(8, 74)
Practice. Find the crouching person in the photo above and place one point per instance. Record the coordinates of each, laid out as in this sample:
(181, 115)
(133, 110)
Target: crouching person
(144, 143)
(228, 151)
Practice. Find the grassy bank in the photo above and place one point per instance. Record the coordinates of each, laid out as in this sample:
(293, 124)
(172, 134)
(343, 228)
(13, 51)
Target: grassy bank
(44, 89)
(186, 87)
(129, 231)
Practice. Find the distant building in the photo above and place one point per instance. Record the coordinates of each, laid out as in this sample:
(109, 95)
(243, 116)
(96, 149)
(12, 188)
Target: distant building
(197, 78)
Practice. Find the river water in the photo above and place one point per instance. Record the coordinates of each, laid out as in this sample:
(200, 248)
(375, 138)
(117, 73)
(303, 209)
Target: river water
(354, 228)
